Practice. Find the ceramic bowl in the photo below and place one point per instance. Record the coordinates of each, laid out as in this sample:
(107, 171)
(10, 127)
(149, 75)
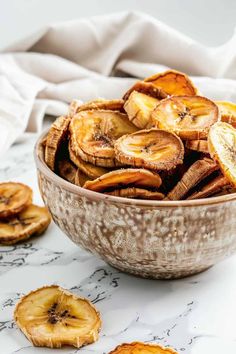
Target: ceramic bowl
(155, 239)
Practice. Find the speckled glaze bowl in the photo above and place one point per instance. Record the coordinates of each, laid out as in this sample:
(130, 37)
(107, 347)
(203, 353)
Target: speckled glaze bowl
(155, 239)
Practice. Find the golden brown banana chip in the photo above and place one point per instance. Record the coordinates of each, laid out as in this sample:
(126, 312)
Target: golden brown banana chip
(217, 185)
(142, 348)
(74, 107)
(53, 317)
(33, 220)
(146, 88)
(98, 104)
(137, 193)
(14, 197)
(195, 174)
(228, 112)
(67, 170)
(93, 134)
(87, 168)
(139, 108)
(56, 135)
(198, 145)
(222, 148)
(173, 83)
(123, 178)
(190, 117)
(153, 149)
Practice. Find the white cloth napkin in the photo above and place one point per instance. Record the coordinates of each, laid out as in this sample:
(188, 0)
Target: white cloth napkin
(99, 57)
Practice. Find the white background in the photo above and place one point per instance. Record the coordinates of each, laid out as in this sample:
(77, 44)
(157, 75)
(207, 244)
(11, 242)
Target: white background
(211, 22)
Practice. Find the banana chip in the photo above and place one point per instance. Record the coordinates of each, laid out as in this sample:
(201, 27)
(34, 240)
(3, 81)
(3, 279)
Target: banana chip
(153, 149)
(173, 83)
(33, 220)
(146, 88)
(87, 168)
(80, 178)
(137, 193)
(142, 348)
(228, 112)
(56, 135)
(14, 197)
(222, 148)
(123, 178)
(93, 134)
(195, 174)
(198, 145)
(190, 117)
(74, 107)
(67, 170)
(52, 317)
(98, 104)
(215, 186)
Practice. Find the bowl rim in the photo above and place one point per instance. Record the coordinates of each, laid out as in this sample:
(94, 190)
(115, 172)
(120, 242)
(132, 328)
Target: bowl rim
(42, 167)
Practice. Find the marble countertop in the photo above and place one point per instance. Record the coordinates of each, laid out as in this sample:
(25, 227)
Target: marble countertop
(195, 315)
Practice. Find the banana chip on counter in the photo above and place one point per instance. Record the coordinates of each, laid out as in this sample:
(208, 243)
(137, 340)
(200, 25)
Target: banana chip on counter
(228, 112)
(123, 178)
(194, 175)
(142, 348)
(173, 83)
(153, 149)
(52, 317)
(222, 148)
(190, 117)
(33, 220)
(55, 137)
(137, 193)
(197, 145)
(14, 197)
(93, 134)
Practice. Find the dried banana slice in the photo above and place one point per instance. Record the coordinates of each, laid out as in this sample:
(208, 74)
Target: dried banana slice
(31, 221)
(98, 104)
(228, 112)
(173, 83)
(217, 185)
(190, 117)
(137, 193)
(67, 170)
(142, 348)
(87, 168)
(93, 134)
(53, 317)
(154, 149)
(56, 135)
(195, 174)
(80, 178)
(74, 107)
(146, 88)
(139, 108)
(198, 145)
(123, 178)
(222, 148)
(14, 197)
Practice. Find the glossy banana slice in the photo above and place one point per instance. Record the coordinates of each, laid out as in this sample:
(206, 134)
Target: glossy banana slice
(148, 89)
(93, 134)
(67, 170)
(87, 168)
(14, 197)
(190, 117)
(217, 185)
(98, 104)
(222, 148)
(53, 317)
(124, 178)
(228, 112)
(153, 149)
(173, 83)
(195, 174)
(137, 193)
(198, 145)
(142, 348)
(55, 137)
(139, 108)
(31, 221)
